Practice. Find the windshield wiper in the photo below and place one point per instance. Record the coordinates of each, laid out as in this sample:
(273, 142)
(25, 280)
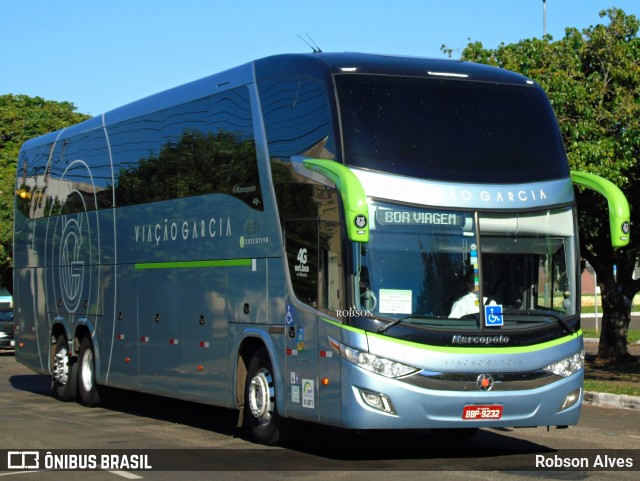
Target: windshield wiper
(385, 328)
(539, 313)
(555, 316)
(566, 326)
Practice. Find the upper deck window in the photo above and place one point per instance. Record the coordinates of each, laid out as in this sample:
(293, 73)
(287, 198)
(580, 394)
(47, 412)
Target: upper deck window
(450, 130)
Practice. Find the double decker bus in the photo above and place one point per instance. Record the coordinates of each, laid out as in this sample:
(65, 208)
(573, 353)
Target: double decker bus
(361, 241)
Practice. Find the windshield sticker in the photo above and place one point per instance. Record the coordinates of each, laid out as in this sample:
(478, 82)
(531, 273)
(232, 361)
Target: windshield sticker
(474, 262)
(395, 301)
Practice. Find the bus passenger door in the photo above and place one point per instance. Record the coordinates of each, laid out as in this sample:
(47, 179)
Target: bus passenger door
(301, 320)
(317, 276)
(331, 300)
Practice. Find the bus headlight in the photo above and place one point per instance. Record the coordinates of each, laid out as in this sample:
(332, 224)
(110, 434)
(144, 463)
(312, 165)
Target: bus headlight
(568, 366)
(371, 362)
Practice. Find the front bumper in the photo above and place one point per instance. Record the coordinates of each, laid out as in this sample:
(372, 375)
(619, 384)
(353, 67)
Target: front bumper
(415, 407)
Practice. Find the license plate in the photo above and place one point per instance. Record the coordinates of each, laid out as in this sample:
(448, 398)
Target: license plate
(493, 411)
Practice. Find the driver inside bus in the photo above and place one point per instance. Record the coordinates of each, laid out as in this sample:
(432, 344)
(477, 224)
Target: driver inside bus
(367, 297)
(468, 304)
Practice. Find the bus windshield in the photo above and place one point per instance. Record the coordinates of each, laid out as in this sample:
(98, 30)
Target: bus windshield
(442, 266)
(450, 130)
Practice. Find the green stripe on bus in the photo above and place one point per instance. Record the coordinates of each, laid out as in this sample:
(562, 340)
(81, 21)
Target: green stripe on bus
(464, 349)
(193, 264)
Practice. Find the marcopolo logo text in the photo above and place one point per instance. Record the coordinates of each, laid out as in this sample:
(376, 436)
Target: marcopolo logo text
(480, 339)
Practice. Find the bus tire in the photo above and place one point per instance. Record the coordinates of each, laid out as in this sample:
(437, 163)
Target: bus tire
(64, 371)
(88, 390)
(261, 414)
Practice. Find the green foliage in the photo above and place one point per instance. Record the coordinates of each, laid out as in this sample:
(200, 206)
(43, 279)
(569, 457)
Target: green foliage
(22, 118)
(593, 82)
(592, 79)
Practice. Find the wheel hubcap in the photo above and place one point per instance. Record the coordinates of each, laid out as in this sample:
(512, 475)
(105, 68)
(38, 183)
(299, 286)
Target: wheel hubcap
(261, 396)
(86, 373)
(61, 367)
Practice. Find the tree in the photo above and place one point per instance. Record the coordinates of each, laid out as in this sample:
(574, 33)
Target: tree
(22, 118)
(592, 79)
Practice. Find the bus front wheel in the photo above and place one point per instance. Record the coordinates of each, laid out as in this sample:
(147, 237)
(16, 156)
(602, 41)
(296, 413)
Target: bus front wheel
(261, 413)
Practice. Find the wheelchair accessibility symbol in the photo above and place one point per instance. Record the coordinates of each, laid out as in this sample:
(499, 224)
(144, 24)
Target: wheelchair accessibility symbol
(493, 315)
(289, 316)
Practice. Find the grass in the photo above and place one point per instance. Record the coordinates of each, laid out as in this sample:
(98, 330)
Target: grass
(611, 388)
(592, 310)
(633, 335)
(624, 379)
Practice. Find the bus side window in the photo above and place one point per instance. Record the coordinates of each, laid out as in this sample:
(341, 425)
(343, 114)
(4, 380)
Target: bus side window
(301, 246)
(196, 148)
(331, 294)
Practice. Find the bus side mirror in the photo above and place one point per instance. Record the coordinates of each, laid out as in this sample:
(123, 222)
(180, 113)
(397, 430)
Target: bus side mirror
(354, 199)
(619, 216)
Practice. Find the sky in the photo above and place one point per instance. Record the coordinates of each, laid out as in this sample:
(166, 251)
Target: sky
(101, 54)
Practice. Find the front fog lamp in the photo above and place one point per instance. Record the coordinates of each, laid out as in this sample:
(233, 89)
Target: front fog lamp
(371, 362)
(378, 401)
(568, 366)
(571, 399)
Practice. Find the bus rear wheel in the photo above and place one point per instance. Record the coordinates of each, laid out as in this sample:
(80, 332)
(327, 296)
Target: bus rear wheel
(64, 371)
(261, 414)
(88, 390)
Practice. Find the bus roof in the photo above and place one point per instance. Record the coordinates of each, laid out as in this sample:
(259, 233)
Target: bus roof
(336, 63)
(315, 65)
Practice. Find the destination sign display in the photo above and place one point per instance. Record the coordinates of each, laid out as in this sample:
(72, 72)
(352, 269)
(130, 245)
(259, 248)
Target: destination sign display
(417, 217)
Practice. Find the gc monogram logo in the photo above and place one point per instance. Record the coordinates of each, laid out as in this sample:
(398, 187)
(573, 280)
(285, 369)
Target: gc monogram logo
(73, 238)
(71, 273)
